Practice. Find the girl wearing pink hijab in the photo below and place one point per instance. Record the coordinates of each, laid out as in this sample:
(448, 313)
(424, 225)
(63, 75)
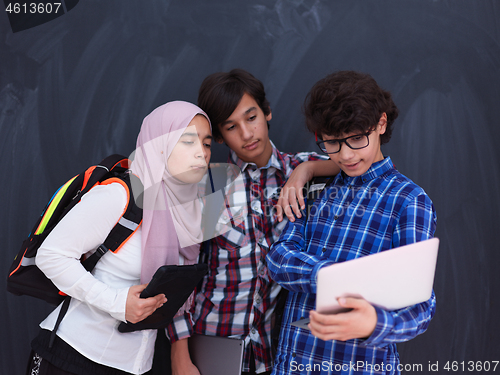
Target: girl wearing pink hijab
(172, 155)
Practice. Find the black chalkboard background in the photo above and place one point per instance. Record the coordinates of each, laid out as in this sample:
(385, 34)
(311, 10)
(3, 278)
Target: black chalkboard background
(76, 89)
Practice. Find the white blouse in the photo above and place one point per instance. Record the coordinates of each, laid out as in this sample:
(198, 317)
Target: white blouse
(99, 298)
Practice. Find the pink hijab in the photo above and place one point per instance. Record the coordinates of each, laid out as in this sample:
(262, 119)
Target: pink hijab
(171, 210)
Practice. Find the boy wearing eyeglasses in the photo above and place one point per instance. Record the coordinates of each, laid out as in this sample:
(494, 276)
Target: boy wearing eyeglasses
(368, 208)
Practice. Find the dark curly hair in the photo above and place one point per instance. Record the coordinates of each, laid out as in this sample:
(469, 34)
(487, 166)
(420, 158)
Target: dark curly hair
(220, 93)
(346, 102)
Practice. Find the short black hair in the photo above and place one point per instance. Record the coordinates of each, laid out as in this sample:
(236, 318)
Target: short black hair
(220, 93)
(346, 102)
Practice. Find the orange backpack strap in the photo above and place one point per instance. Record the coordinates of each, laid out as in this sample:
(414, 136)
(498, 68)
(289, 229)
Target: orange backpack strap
(126, 226)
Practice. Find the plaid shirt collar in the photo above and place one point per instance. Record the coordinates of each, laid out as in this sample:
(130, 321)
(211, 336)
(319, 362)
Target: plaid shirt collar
(276, 160)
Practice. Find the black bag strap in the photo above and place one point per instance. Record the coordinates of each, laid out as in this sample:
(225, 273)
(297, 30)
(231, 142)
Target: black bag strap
(62, 312)
(203, 258)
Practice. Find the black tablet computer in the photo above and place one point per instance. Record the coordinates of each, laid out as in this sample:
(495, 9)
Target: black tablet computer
(177, 283)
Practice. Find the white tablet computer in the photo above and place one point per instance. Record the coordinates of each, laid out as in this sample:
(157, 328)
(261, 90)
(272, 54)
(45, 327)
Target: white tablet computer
(391, 279)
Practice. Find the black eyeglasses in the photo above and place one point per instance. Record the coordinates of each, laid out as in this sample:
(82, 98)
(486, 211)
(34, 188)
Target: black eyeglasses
(355, 142)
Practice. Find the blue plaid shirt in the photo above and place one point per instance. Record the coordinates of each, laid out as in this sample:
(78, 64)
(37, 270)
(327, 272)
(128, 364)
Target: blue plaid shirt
(353, 217)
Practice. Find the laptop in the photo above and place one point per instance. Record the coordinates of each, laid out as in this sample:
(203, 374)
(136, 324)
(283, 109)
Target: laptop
(391, 279)
(214, 355)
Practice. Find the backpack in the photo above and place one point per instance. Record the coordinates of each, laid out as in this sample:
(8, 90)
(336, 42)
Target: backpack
(25, 278)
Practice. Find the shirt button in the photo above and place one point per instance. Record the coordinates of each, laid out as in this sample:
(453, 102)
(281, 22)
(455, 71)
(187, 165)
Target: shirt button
(294, 355)
(324, 249)
(256, 206)
(254, 331)
(335, 217)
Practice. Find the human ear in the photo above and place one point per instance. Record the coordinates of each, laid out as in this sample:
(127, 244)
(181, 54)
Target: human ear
(269, 116)
(382, 123)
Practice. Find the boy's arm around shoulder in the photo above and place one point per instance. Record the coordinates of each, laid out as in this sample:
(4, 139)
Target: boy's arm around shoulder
(292, 199)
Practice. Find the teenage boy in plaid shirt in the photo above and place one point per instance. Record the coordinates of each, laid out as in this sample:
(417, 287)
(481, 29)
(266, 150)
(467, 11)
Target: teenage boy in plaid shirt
(237, 297)
(369, 207)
